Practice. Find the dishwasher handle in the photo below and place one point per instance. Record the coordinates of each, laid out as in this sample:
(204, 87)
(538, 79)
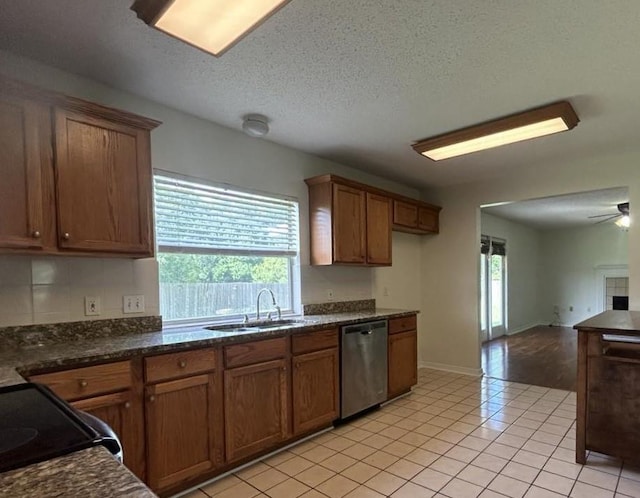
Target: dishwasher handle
(365, 328)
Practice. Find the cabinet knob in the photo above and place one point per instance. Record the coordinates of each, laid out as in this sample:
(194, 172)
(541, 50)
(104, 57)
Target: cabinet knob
(83, 383)
(36, 234)
(127, 405)
(66, 236)
(182, 364)
(152, 398)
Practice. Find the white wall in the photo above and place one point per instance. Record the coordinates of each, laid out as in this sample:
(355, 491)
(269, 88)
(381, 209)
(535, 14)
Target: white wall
(569, 268)
(450, 262)
(523, 260)
(191, 146)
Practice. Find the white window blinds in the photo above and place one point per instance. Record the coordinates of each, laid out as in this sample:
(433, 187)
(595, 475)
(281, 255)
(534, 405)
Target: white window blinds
(196, 217)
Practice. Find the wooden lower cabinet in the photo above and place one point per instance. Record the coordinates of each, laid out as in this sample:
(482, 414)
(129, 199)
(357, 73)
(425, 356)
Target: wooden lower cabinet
(184, 429)
(315, 390)
(403, 362)
(123, 413)
(256, 408)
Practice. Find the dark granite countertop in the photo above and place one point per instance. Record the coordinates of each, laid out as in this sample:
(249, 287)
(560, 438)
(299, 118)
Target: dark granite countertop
(94, 472)
(618, 321)
(89, 473)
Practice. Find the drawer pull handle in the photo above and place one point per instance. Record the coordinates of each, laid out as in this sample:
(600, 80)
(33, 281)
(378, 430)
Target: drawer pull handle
(83, 383)
(36, 234)
(127, 405)
(66, 236)
(182, 364)
(152, 398)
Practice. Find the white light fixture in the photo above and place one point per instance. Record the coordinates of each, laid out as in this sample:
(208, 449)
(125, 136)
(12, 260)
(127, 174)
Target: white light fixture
(210, 25)
(534, 123)
(255, 125)
(624, 221)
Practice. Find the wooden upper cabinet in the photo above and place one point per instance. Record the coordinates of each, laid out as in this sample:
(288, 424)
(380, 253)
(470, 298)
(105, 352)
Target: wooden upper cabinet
(405, 214)
(76, 176)
(21, 194)
(349, 225)
(103, 181)
(415, 217)
(378, 229)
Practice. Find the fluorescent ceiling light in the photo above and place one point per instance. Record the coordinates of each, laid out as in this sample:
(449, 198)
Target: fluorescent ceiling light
(210, 25)
(535, 123)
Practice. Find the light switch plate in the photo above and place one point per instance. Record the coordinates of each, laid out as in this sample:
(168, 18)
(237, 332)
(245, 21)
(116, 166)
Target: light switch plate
(133, 304)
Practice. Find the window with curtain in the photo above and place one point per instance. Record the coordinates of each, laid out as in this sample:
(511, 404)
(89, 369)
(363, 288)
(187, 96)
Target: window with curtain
(218, 245)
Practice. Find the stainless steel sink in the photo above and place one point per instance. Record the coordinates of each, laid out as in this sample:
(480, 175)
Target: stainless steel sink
(258, 326)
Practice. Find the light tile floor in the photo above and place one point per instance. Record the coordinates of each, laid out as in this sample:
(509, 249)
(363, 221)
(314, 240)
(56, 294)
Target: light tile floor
(455, 436)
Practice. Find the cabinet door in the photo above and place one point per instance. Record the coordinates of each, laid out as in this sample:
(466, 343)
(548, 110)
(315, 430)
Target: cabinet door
(349, 229)
(378, 229)
(256, 407)
(184, 433)
(22, 161)
(403, 362)
(428, 220)
(315, 388)
(123, 413)
(405, 214)
(103, 181)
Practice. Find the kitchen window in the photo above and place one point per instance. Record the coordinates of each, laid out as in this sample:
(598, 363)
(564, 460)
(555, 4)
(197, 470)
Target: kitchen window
(218, 245)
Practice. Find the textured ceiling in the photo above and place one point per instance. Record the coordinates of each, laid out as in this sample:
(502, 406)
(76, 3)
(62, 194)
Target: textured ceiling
(358, 81)
(563, 211)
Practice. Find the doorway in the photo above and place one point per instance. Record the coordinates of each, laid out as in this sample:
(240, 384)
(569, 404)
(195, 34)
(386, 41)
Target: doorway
(493, 285)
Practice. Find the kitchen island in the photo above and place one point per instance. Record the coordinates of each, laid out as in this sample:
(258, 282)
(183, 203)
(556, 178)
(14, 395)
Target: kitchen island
(608, 397)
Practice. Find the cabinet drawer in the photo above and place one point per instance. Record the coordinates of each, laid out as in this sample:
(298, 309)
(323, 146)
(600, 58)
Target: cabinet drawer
(405, 214)
(87, 381)
(248, 353)
(181, 364)
(402, 324)
(314, 341)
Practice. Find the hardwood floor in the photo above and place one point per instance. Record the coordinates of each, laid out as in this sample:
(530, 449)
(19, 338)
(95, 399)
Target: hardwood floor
(542, 356)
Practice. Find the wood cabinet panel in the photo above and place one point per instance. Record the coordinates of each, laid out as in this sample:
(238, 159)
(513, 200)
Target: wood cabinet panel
(314, 341)
(315, 390)
(21, 194)
(103, 182)
(123, 413)
(402, 324)
(379, 212)
(403, 362)
(256, 407)
(428, 220)
(405, 214)
(349, 225)
(88, 381)
(184, 429)
(247, 353)
(181, 364)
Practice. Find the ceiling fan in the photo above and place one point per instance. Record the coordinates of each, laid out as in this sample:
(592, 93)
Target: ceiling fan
(622, 214)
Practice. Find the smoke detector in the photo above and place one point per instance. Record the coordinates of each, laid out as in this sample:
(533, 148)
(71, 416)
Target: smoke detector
(255, 125)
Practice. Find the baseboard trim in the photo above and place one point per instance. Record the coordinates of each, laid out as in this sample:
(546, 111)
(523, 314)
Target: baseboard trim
(475, 372)
(525, 327)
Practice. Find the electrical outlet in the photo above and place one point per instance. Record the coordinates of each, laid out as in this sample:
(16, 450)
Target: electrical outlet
(133, 304)
(385, 291)
(91, 306)
(570, 308)
(330, 294)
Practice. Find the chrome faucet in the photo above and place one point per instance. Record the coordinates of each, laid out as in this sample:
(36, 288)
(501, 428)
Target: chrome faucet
(273, 301)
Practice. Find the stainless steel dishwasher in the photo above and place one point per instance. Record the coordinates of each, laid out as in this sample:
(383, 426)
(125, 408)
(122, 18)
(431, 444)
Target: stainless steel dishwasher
(364, 366)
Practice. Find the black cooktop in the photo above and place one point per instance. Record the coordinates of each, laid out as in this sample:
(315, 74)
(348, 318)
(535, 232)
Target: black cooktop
(35, 425)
